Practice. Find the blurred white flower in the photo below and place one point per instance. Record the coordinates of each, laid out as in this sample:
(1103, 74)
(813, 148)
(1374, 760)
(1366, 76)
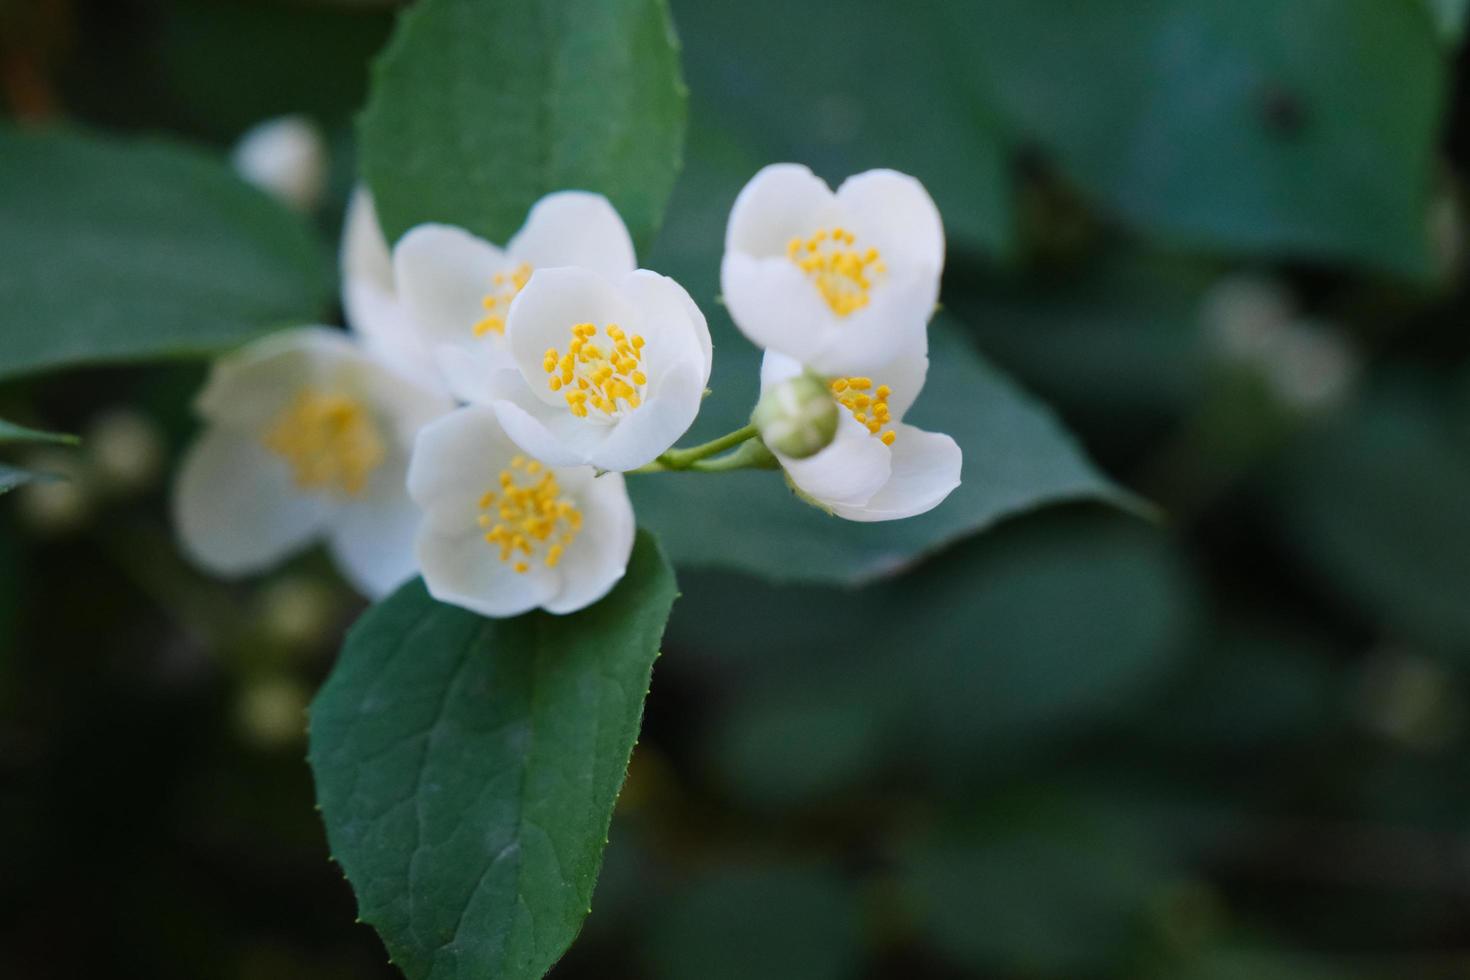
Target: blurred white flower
(504, 534)
(841, 282)
(458, 289)
(370, 298)
(126, 450)
(876, 468)
(306, 438)
(1310, 367)
(287, 158)
(271, 711)
(611, 369)
(1242, 316)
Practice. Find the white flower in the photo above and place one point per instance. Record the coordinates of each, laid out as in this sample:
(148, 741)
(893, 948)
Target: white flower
(611, 368)
(285, 157)
(504, 534)
(876, 468)
(841, 282)
(306, 438)
(370, 298)
(458, 289)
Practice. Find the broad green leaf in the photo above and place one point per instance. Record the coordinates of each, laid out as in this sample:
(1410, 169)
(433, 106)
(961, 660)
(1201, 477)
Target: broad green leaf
(738, 923)
(1298, 127)
(1017, 458)
(10, 432)
(1376, 504)
(130, 250)
(869, 87)
(467, 768)
(479, 107)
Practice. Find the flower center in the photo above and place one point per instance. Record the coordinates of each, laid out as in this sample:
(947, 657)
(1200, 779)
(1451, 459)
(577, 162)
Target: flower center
(531, 520)
(867, 404)
(842, 273)
(329, 440)
(497, 301)
(609, 379)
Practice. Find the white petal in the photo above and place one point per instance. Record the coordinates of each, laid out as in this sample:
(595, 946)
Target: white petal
(777, 367)
(574, 228)
(782, 201)
(895, 213)
(926, 467)
(654, 426)
(372, 539)
(387, 332)
(597, 559)
(461, 569)
(478, 375)
(249, 386)
(895, 319)
(544, 312)
(236, 508)
(776, 307)
(549, 433)
(455, 460)
(849, 471)
(669, 320)
(399, 401)
(365, 255)
(443, 275)
(904, 375)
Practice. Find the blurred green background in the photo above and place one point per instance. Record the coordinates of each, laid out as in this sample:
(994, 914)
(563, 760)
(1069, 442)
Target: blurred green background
(1223, 238)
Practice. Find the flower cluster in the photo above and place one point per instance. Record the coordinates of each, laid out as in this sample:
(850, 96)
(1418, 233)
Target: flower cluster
(475, 424)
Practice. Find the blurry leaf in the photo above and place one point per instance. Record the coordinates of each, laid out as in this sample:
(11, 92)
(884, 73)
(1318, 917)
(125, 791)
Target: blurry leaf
(467, 768)
(1024, 893)
(866, 88)
(1450, 16)
(12, 477)
(480, 107)
(1045, 626)
(1262, 963)
(752, 921)
(1377, 503)
(1017, 458)
(10, 432)
(1304, 127)
(125, 251)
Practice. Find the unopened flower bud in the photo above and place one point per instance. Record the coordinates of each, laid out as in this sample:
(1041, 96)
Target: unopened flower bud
(126, 450)
(61, 501)
(287, 158)
(798, 417)
(271, 712)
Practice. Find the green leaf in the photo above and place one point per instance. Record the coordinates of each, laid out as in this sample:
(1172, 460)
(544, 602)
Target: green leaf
(10, 432)
(479, 108)
(737, 923)
(12, 477)
(872, 87)
(467, 768)
(129, 250)
(1376, 504)
(1299, 127)
(1450, 15)
(1017, 458)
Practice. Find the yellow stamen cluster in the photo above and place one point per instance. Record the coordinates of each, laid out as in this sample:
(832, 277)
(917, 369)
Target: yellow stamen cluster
(593, 377)
(523, 520)
(867, 404)
(497, 301)
(329, 440)
(842, 273)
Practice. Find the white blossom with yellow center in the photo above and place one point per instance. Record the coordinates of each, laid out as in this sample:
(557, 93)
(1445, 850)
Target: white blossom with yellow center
(843, 281)
(877, 467)
(502, 532)
(458, 289)
(612, 368)
(306, 438)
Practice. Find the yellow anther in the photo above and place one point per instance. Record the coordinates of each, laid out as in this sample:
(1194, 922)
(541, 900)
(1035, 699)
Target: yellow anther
(530, 519)
(888, 437)
(843, 275)
(610, 381)
(870, 411)
(505, 286)
(330, 441)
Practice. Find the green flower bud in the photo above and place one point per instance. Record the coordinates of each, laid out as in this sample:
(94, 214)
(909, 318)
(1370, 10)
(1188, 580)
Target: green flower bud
(797, 417)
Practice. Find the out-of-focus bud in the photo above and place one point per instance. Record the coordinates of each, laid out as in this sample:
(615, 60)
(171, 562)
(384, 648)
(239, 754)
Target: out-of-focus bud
(1446, 232)
(126, 450)
(55, 506)
(297, 610)
(286, 157)
(797, 418)
(1409, 699)
(271, 712)
(1244, 315)
(1311, 367)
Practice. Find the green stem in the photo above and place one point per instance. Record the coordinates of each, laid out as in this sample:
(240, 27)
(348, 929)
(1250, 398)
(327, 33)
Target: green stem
(683, 459)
